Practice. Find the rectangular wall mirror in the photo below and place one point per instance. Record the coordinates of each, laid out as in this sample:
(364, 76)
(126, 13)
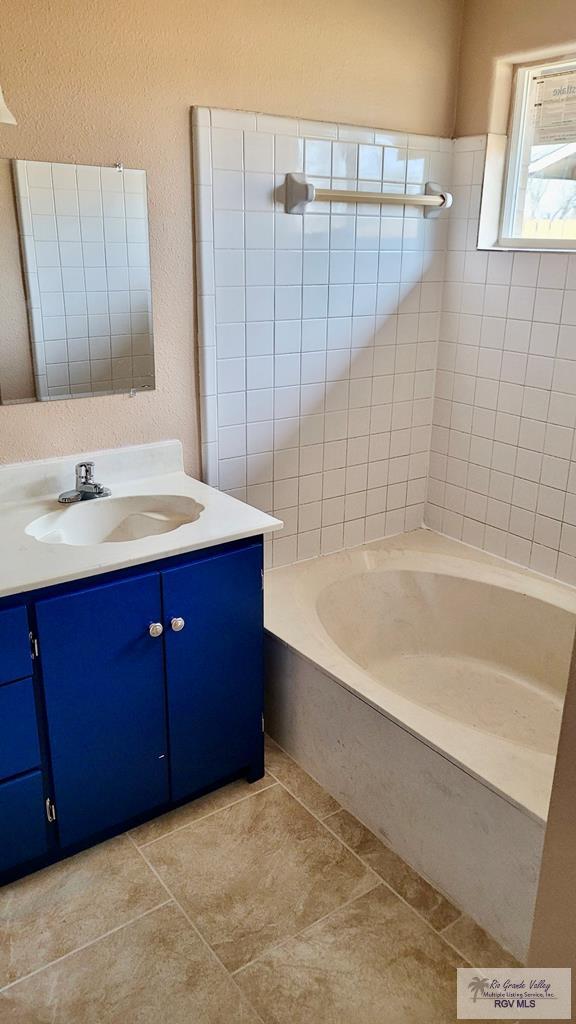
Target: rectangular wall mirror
(75, 292)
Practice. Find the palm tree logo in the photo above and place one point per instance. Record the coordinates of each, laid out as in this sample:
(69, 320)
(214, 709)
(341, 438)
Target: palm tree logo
(477, 986)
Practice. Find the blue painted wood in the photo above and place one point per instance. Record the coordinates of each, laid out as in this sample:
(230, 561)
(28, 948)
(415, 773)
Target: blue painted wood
(23, 832)
(19, 748)
(15, 656)
(105, 704)
(214, 668)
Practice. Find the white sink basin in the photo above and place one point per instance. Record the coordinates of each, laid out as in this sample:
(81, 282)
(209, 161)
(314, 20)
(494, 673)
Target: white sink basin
(115, 520)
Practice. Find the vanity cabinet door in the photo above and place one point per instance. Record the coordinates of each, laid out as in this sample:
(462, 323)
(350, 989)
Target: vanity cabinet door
(23, 828)
(15, 652)
(214, 668)
(103, 676)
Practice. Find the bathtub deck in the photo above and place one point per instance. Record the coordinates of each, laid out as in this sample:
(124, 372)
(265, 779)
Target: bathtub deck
(255, 903)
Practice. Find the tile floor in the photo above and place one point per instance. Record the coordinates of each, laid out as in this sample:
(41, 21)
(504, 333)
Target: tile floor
(262, 904)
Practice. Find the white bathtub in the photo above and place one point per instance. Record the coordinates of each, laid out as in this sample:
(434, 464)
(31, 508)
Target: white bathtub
(422, 674)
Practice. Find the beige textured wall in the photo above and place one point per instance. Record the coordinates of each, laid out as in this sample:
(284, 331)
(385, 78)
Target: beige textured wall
(16, 373)
(107, 80)
(554, 930)
(496, 29)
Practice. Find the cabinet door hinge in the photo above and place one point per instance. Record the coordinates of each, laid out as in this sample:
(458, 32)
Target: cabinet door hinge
(262, 578)
(50, 811)
(263, 729)
(33, 645)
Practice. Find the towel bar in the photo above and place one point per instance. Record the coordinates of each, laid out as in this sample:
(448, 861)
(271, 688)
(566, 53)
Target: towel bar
(300, 192)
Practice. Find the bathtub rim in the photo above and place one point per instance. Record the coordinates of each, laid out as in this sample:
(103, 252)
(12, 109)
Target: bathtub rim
(523, 778)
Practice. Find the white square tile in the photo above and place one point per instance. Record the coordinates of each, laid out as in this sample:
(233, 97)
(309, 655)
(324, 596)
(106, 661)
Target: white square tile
(114, 204)
(259, 231)
(259, 372)
(287, 336)
(228, 190)
(318, 157)
(231, 375)
(259, 338)
(258, 191)
(87, 202)
(229, 230)
(227, 149)
(316, 229)
(259, 303)
(287, 302)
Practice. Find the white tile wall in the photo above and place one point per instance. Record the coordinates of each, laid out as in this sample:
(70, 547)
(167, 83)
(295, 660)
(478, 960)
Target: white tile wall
(318, 333)
(319, 354)
(85, 241)
(503, 460)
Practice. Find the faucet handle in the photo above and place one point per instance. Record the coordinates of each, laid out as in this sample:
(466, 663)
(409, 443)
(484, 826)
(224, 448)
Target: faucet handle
(84, 473)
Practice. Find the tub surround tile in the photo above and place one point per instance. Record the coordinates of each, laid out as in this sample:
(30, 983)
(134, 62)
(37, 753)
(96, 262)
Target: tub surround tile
(479, 948)
(256, 873)
(373, 960)
(196, 809)
(350, 301)
(52, 912)
(431, 904)
(298, 782)
(155, 969)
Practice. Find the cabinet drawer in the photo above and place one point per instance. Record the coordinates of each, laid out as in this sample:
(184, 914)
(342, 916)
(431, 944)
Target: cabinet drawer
(19, 749)
(15, 656)
(22, 821)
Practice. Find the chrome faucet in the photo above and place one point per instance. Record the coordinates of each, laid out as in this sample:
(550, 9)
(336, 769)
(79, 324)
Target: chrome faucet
(86, 487)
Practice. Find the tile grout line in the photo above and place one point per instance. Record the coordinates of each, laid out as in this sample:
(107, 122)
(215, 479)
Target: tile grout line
(195, 928)
(209, 814)
(307, 774)
(401, 898)
(323, 821)
(172, 899)
(438, 931)
(86, 945)
(379, 881)
(308, 927)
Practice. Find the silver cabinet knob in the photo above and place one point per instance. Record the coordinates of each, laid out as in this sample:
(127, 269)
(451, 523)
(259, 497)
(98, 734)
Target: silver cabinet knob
(156, 629)
(177, 624)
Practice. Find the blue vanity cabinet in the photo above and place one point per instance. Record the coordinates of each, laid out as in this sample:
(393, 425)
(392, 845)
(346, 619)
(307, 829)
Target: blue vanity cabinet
(103, 678)
(214, 668)
(145, 690)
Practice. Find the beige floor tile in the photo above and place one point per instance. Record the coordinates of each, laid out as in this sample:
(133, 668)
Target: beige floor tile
(196, 809)
(298, 782)
(154, 971)
(479, 948)
(372, 962)
(68, 904)
(256, 873)
(395, 872)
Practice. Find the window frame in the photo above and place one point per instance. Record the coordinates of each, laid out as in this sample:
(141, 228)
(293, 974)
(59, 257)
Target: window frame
(517, 134)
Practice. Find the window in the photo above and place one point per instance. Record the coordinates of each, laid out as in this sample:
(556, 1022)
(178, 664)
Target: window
(539, 207)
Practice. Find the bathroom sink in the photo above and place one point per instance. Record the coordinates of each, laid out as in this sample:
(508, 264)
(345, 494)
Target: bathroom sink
(115, 520)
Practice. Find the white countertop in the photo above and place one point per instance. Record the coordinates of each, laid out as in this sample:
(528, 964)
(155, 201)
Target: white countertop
(29, 490)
